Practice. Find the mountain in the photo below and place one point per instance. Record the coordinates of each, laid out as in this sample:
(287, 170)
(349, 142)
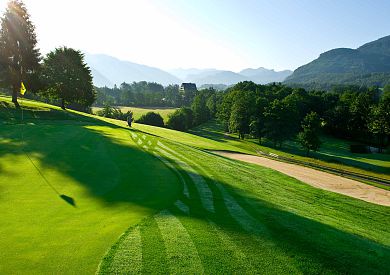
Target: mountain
(100, 80)
(367, 65)
(184, 73)
(214, 76)
(263, 76)
(108, 70)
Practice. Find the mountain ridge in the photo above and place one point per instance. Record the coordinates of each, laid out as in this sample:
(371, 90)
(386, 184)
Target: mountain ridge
(109, 71)
(367, 65)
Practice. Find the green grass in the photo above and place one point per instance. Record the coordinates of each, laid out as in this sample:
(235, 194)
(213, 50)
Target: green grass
(94, 163)
(261, 221)
(184, 211)
(139, 111)
(334, 153)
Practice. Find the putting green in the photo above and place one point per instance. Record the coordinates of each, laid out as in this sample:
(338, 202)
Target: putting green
(111, 182)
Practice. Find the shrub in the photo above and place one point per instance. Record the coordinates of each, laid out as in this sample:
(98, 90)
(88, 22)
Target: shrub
(112, 112)
(181, 119)
(151, 118)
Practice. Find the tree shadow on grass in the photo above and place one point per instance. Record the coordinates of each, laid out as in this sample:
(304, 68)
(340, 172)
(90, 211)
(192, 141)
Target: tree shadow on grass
(99, 156)
(313, 246)
(115, 171)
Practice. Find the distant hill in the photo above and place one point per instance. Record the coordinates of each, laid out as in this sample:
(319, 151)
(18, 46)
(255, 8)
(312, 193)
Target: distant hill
(185, 73)
(214, 76)
(367, 65)
(108, 70)
(264, 76)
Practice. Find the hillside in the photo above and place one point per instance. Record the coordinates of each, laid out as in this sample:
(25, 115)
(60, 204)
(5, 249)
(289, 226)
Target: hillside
(264, 76)
(214, 76)
(108, 70)
(82, 194)
(367, 65)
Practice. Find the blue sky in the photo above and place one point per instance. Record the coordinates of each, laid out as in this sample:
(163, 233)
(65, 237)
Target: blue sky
(230, 34)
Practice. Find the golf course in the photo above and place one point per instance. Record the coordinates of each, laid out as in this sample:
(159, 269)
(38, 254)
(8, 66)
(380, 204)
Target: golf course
(81, 194)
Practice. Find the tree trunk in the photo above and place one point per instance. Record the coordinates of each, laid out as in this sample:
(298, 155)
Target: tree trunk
(62, 104)
(15, 95)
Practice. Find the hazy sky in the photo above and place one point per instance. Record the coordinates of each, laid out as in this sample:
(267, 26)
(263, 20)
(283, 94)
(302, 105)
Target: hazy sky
(229, 34)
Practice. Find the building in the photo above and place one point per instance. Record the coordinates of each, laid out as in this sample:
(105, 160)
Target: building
(187, 87)
(187, 92)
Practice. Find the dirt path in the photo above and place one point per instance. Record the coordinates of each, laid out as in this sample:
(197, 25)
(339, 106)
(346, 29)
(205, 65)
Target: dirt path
(319, 179)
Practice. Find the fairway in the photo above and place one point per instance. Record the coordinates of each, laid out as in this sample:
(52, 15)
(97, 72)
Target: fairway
(153, 200)
(139, 111)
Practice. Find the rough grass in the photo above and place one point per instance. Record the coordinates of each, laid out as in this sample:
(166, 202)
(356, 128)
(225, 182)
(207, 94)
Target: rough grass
(139, 111)
(333, 153)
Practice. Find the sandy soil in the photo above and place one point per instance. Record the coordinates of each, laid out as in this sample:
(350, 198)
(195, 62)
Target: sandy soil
(319, 179)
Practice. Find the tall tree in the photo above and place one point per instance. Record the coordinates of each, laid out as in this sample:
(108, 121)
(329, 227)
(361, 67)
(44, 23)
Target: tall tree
(379, 121)
(200, 109)
(280, 121)
(309, 136)
(68, 77)
(19, 56)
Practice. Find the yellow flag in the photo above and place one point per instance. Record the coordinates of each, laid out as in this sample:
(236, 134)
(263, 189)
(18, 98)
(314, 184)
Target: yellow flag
(22, 88)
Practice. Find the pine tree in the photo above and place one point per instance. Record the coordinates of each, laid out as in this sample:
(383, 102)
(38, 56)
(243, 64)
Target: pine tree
(19, 56)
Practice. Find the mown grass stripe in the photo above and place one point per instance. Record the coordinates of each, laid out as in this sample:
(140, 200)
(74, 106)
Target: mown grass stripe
(127, 256)
(170, 165)
(182, 254)
(245, 220)
(206, 196)
(183, 207)
(243, 265)
(153, 249)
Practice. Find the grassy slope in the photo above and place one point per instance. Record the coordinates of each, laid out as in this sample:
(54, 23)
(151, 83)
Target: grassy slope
(333, 153)
(138, 111)
(258, 221)
(94, 163)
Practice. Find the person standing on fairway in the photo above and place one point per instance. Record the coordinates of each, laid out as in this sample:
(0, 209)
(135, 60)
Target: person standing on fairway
(129, 119)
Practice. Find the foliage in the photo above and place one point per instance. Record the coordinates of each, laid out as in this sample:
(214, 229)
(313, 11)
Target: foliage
(280, 121)
(67, 77)
(309, 136)
(113, 112)
(379, 121)
(139, 94)
(19, 56)
(151, 118)
(181, 119)
(276, 111)
(200, 110)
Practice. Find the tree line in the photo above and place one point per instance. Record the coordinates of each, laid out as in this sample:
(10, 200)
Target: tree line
(201, 108)
(62, 76)
(277, 113)
(142, 94)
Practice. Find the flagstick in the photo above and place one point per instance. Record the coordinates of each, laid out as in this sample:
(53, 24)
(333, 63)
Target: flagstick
(21, 101)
